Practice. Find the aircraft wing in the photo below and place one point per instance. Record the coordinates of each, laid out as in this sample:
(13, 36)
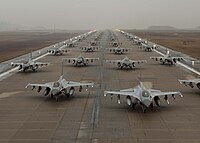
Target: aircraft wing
(191, 82)
(69, 60)
(49, 84)
(157, 58)
(113, 61)
(67, 84)
(41, 64)
(160, 93)
(177, 58)
(131, 92)
(93, 48)
(115, 49)
(65, 50)
(197, 80)
(126, 49)
(138, 61)
(16, 64)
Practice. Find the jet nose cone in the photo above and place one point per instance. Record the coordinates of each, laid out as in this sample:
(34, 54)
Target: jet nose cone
(146, 102)
(55, 91)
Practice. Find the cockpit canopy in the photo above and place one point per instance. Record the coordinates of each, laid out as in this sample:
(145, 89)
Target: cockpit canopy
(80, 58)
(56, 84)
(145, 93)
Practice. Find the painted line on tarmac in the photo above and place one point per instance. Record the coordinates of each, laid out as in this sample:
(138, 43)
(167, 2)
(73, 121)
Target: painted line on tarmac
(183, 65)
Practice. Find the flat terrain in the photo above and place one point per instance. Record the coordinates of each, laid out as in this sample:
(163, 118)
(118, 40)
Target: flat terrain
(13, 44)
(187, 42)
(28, 116)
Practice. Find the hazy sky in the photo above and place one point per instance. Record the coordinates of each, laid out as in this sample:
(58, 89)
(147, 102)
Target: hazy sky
(100, 14)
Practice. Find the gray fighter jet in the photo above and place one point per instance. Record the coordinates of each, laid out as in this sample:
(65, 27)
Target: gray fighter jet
(60, 87)
(191, 82)
(80, 60)
(126, 62)
(58, 51)
(167, 59)
(147, 47)
(94, 43)
(29, 65)
(115, 44)
(142, 96)
(118, 50)
(72, 43)
(90, 48)
(139, 41)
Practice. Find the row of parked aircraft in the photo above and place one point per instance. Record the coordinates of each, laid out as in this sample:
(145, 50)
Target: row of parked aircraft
(166, 59)
(61, 86)
(141, 94)
(144, 96)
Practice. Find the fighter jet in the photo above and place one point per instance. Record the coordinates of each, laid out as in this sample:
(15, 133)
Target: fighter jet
(80, 60)
(139, 41)
(29, 65)
(147, 47)
(118, 50)
(126, 62)
(90, 48)
(58, 51)
(191, 82)
(60, 87)
(142, 96)
(167, 59)
(94, 43)
(115, 44)
(72, 43)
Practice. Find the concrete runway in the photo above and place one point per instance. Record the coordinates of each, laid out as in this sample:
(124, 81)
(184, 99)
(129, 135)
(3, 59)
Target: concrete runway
(28, 116)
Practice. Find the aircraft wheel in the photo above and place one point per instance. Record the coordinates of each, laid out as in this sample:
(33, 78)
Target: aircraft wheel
(133, 105)
(144, 109)
(67, 95)
(151, 105)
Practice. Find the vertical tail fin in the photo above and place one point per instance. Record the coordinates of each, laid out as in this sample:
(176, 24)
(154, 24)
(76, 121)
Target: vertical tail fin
(167, 51)
(30, 56)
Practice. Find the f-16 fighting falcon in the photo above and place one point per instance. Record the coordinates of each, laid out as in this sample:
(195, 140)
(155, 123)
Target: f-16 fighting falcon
(115, 44)
(80, 60)
(118, 50)
(139, 41)
(191, 82)
(94, 43)
(167, 59)
(147, 47)
(59, 51)
(61, 86)
(29, 65)
(90, 48)
(142, 96)
(126, 62)
(72, 43)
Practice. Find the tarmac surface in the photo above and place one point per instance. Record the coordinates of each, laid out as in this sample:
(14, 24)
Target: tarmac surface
(28, 116)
